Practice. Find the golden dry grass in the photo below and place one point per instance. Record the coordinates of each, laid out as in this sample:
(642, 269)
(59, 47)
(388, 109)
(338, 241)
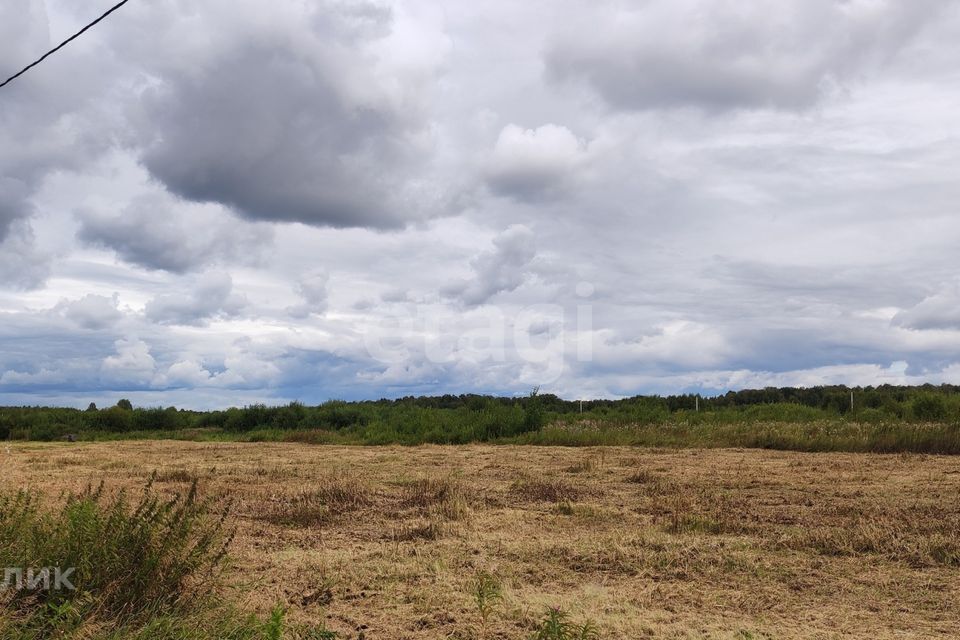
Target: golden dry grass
(389, 542)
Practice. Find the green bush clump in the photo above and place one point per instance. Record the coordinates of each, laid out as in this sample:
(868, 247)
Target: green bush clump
(128, 558)
(128, 561)
(144, 569)
(556, 625)
(929, 408)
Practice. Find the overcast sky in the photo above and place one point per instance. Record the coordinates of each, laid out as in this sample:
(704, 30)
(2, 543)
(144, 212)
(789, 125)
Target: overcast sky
(215, 203)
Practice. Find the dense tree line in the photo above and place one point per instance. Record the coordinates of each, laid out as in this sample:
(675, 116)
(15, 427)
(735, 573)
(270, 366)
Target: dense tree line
(833, 398)
(387, 421)
(472, 417)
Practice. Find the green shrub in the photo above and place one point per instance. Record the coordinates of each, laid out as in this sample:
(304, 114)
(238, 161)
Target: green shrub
(487, 593)
(337, 414)
(929, 407)
(46, 431)
(248, 418)
(113, 419)
(871, 416)
(130, 560)
(156, 419)
(143, 570)
(556, 625)
(289, 417)
(533, 416)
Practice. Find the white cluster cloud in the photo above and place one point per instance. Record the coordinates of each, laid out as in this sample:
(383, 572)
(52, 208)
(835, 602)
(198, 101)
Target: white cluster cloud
(532, 164)
(132, 364)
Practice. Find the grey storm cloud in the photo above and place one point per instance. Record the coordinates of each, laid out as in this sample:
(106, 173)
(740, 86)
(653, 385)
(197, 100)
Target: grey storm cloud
(502, 269)
(398, 294)
(938, 311)
(211, 297)
(23, 31)
(287, 118)
(312, 289)
(721, 55)
(13, 202)
(157, 232)
(92, 311)
(49, 121)
(22, 265)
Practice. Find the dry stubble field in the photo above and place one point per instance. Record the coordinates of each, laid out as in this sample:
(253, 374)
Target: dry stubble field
(387, 542)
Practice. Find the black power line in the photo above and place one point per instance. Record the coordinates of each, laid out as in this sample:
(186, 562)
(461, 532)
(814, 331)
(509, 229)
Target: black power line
(62, 44)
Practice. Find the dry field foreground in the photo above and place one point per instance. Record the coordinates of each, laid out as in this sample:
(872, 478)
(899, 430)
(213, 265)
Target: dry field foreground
(387, 542)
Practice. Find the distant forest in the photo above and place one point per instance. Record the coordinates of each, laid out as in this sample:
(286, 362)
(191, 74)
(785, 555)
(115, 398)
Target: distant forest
(475, 418)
